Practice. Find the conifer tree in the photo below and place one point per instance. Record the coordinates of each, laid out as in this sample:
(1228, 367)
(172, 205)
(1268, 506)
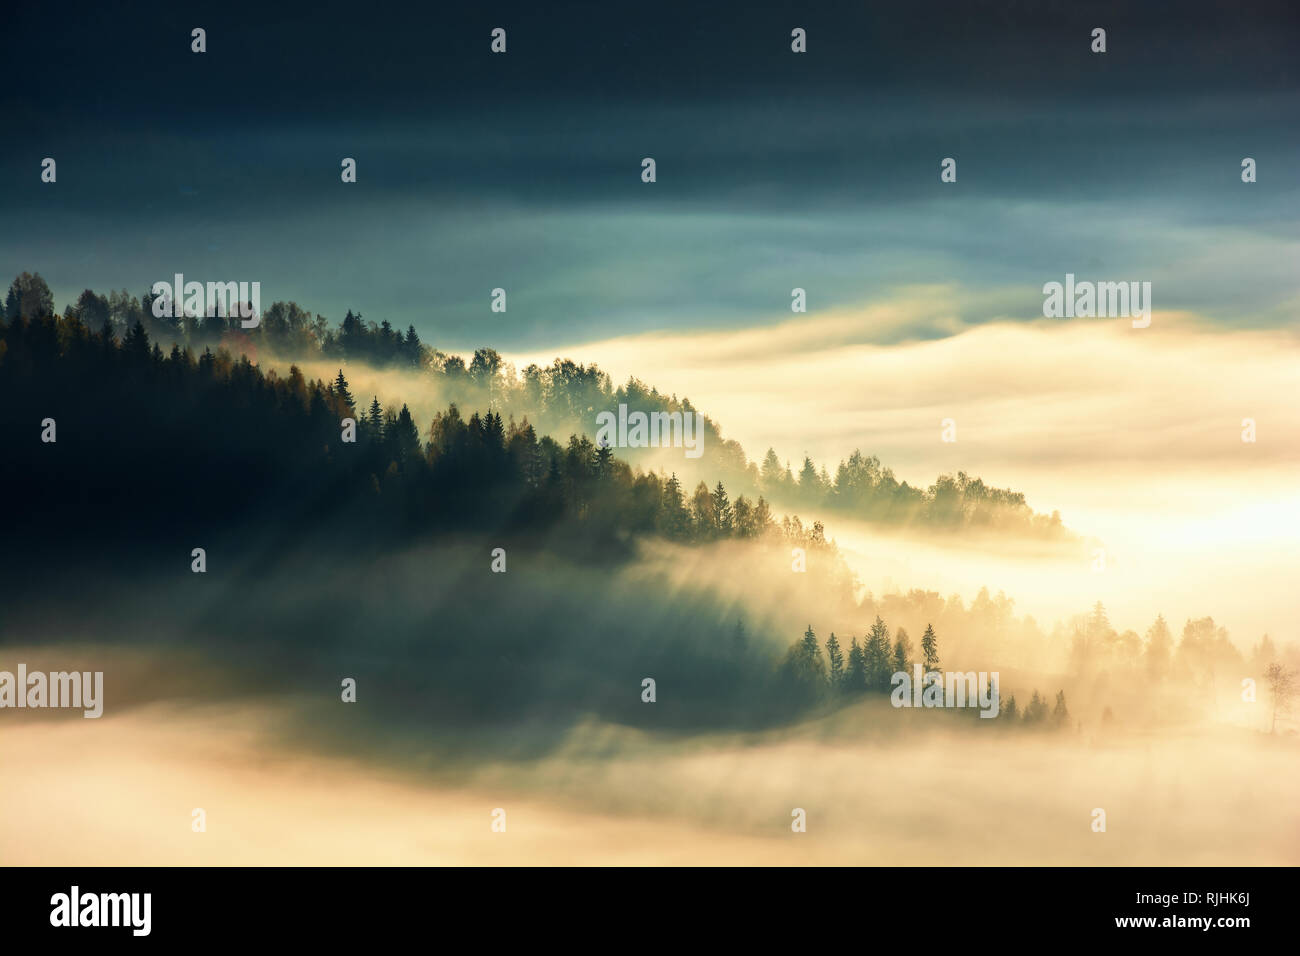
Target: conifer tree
(929, 649)
(902, 652)
(836, 657)
(341, 390)
(856, 677)
(1059, 713)
(876, 654)
(722, 513)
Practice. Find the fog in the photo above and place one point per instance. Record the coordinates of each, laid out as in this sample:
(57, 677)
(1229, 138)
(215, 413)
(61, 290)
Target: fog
(121, 791)
(523, 690)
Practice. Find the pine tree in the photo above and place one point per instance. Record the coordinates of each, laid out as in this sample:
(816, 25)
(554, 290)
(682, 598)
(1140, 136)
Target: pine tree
(809, 483)
(375, 419)
(405, 437)
(929, 649)
(341, 390)
(702, 511)
(929, 655)
(1059, 713)
(856, 678)
(876, 655)
(604, 460)
(804, 665)
(836, 657)
(1009, 712)
(722, 513)
(1159, 649)
(136, 345)
(1036, 710)
(675, 519)
(902, 652)
(810, 646)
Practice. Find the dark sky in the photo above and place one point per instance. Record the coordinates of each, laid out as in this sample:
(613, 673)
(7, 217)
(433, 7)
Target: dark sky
(523, 171)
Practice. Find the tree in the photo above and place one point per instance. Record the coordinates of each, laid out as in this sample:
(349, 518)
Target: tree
(856, 678)
(810, 486)
(1059, 713)
(876, 653)
(902, 652)
(341, 390)
(375, 419)
(810, 646)
(675, 520)
(405, 437)
(743, 519)
(771, 474)
(804, 666)
(929, 649)
(94, 310)
(411, 348)
(929, 655)
(30, 298)
(702, 511)
(1159, 648)
(1036, 712)
(836, 657)
(136, 346)
(604, 461)
(1281, 687)
(722, 514)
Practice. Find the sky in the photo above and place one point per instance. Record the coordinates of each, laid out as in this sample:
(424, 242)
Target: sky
(775, 170)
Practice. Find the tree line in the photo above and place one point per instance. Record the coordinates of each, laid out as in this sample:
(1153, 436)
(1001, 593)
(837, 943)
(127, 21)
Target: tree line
(561, 398)
(867, 668)
(155, 432)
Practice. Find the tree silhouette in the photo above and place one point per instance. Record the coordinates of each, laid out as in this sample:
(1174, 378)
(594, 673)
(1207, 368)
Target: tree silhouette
(1059, 712)
(856, 676)
(1282, 687)
(876, 656)
(836, 658)
(902, 652)
(929, 649)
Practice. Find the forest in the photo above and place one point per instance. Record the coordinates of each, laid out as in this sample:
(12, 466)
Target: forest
(563, 398)
(123, 455)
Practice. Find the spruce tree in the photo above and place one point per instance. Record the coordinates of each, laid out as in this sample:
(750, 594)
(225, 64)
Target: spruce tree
(856, 678)
(902, 652)
(1009, 712)
(722, 513)
(876, 656)
(836, 657)
(929, 649)
(341, 390)
(929, 655)
(406, 437)
(1059, 713)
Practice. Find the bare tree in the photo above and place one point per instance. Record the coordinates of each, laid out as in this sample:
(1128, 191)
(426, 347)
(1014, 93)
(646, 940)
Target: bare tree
(1282, 686)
